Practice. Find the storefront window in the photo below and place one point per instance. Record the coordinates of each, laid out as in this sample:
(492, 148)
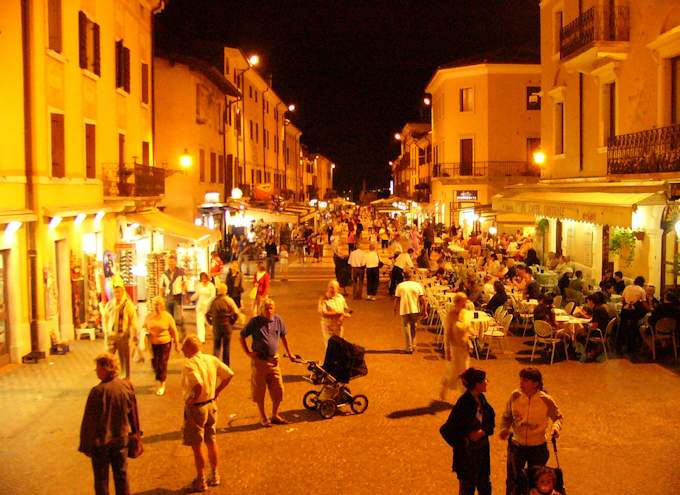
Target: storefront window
(4, 316)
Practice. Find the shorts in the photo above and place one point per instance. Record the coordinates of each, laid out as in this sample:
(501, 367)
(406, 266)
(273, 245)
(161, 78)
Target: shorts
(199, 424)
(266, 375)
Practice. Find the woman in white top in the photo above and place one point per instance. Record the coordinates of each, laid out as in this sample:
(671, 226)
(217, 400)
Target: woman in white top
(456, 346)
(372, 272)
(334, 311)
(205, 293)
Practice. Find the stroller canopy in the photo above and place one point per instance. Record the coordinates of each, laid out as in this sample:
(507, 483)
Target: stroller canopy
(344, 360)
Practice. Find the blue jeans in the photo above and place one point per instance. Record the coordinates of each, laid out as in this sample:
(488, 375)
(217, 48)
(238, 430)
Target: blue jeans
(221, 341)
(116, 457)
(271, 265)
(408, 325)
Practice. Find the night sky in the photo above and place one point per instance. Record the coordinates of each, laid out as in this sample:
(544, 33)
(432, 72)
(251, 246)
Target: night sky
(355, 69)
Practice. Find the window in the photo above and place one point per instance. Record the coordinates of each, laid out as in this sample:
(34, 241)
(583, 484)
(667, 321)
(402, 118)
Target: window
(251, 130)
(675, 90)
(145, 83)
(213, 167)
(276, 144)
(609, 111)
(276, 114)
(54, 25)
(252, 176)
(559, 128)
(250, 91)
(201, 168)
(122, 66)
(121, 150)
(90, 152)
(255, 96)
(466, 96)
(146, 154)
(88, 44)
(533, 98)
(266, 106)
(557, 33)
(257, 132)
(259, 176)
(57, 136)
(220, 169)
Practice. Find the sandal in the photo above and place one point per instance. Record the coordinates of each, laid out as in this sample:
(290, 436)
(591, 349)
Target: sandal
(266, 423)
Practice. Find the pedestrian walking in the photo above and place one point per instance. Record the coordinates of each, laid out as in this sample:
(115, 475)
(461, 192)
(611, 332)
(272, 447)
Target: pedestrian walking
(261, 286)
(272, 252)
(109, 417)
(409, 301)
(203, 379)
(173, 285)
(205, 293)
(216, 267)
(235, 282)
(357, 260)
(529, 416)
(468, 428)
(372, 272)
(334, 311)
(120, 323)
(456, 346)
(162, 331)
(403, 262)
(222, 314)
(265, 330)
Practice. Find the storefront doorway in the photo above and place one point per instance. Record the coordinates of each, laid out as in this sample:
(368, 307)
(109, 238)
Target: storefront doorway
(4, 310)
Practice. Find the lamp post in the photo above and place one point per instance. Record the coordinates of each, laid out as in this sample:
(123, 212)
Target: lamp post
(253, 60)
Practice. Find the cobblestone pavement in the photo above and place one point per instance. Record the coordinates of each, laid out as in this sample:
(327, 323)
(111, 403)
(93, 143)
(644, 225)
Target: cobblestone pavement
(620, 436)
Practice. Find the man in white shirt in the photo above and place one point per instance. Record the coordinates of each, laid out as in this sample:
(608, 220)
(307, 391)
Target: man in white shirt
(357, 260)
(409, 300)
(173, 286)
(200, 386)
(403, 262)
(372, 272)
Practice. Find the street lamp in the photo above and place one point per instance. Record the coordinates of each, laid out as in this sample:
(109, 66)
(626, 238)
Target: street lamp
(397, 136)
(253, 60)
(539, 156)
(185, 160)
(427, 101)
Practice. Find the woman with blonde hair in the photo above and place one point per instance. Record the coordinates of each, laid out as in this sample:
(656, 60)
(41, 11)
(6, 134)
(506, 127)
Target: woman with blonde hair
(456, 346)
(334, 311)
(162, 330)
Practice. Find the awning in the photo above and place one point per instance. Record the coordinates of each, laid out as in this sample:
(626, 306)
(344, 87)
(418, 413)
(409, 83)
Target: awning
(173, 226)
(603, 208)
(8, 216)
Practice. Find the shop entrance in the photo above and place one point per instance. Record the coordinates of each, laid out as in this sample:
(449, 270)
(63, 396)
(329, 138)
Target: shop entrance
(63, 266)
(4, 310)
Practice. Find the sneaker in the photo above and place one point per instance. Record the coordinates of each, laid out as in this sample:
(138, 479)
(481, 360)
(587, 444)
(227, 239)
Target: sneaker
(197, 486)
(215, 480)
(160, 391)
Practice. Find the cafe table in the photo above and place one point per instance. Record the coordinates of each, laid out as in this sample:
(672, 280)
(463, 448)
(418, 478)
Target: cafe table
(569, 322)
(479, 322)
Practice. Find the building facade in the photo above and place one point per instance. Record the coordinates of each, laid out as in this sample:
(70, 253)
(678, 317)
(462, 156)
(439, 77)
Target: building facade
(412, 170)
(485, 127)
(610, 127)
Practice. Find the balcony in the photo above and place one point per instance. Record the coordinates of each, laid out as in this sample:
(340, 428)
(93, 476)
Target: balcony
(485, 170)
(133, 180)
(598, 35)
(645, 152)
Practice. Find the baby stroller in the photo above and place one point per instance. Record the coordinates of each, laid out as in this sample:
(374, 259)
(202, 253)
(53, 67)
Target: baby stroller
(343, 362)
(526, 479)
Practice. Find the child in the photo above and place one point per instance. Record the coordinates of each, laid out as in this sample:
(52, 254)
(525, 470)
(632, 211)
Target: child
(283, 260)
(545, 480)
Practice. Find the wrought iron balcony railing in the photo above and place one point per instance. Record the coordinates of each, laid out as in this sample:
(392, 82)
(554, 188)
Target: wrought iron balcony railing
(485, 169)
(593, 25)
(648, 151)
(133, 179)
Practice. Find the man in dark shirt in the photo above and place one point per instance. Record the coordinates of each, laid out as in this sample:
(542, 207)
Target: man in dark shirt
(667, 309)
(108, 418)
(619, 283)
(222, 314)
(428, 236)
(533, 289)
(266, 329)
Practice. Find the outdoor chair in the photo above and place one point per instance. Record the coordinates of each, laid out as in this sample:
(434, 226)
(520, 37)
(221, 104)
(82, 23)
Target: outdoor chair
(545, 334)
(603, 336)
(497, 332)
(569, 308)
(664, 330)
(527, 316)
(557, 301)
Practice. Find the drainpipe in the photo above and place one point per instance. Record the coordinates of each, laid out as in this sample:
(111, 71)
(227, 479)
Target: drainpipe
(30, 201)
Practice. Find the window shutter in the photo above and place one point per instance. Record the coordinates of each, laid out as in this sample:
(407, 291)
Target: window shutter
(126, 69)
(96, 63)
(145, 83)
(82, 39)
(119, 64)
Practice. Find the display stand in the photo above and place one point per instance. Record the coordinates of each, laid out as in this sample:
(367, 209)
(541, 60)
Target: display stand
(155, 266)
(126, 261)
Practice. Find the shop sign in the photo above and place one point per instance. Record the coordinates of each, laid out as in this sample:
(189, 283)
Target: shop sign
(468, 195)
(211, 197)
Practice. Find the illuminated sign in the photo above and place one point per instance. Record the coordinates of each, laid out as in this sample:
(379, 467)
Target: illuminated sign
(212, 197)
(466, 195)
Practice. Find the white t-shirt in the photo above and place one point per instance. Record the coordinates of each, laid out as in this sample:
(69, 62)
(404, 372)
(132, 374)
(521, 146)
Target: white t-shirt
(409, 293)
(204, 369)
(404, 261)
(372, 259)
(357, 258)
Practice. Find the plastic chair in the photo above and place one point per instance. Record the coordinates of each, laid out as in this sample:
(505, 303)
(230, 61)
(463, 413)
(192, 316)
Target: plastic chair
(603, 338)
(557, 301)
(664, 330)
(569, 308)
(498, 332)
(545, 334)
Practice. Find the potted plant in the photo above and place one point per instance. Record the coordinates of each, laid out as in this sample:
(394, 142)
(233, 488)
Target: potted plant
(622, 243)
(542, 228)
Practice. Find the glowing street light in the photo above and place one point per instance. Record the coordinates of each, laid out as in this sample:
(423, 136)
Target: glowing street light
(291, 107)
(236, 193)
(427, 101)
(253, 60)
(539, 157)
(185, 160)
(397, 136)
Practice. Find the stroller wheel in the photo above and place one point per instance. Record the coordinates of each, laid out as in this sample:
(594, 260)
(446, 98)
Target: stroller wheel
(327, 409)
(359, 404)
(311, 400)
